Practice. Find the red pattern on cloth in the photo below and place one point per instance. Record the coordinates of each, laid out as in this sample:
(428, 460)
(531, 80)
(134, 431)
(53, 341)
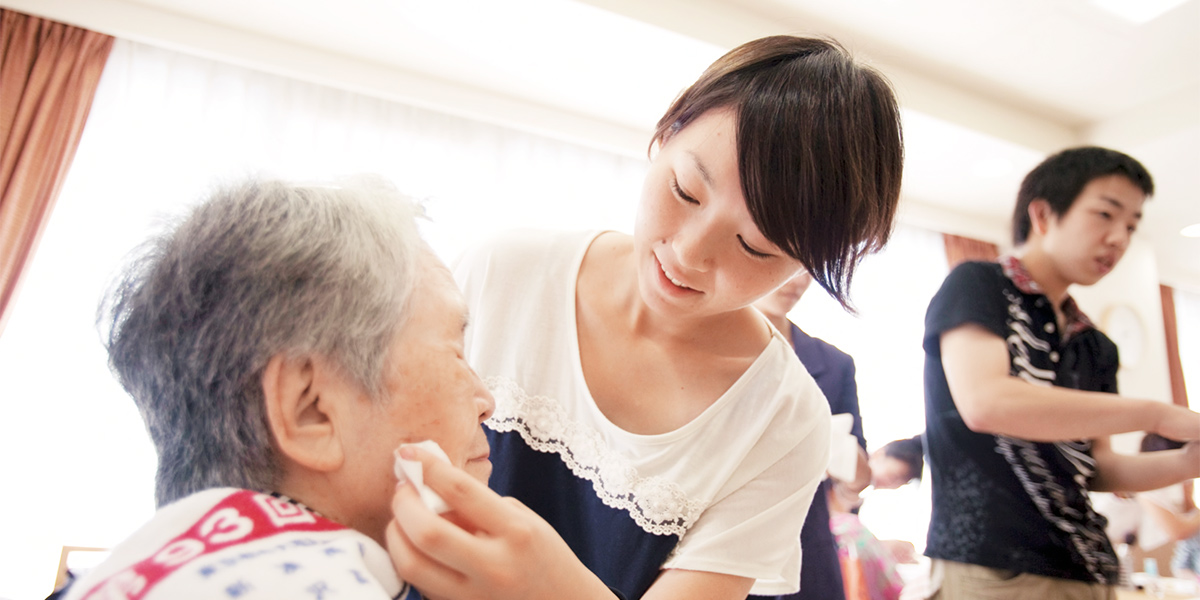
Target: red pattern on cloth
(239, 518)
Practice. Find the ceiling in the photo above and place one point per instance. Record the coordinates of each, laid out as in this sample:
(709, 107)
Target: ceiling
(989, 87)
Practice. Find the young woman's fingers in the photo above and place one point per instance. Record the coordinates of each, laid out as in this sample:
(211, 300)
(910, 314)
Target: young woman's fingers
(476, 507)
(433, 578)
(438, 538)
(521, 558)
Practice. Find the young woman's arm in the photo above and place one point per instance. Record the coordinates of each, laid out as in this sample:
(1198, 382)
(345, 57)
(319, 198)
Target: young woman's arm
(1179, 527)
(677, 584)
(496, 548)
(486, 547)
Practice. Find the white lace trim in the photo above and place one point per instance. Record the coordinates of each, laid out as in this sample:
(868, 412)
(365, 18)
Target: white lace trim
(657, 505)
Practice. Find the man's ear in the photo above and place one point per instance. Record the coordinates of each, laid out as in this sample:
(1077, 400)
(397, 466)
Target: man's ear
(1040, 215)
(302, 419)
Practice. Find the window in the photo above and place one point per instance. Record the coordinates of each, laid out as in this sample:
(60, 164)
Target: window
(891, 292)
(79, 468)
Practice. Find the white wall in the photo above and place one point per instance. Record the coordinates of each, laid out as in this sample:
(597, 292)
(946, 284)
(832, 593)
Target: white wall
(78, 467)
(1133, 283)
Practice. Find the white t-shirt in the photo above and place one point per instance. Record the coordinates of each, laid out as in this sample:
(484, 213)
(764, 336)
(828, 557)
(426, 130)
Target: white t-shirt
(734, 483)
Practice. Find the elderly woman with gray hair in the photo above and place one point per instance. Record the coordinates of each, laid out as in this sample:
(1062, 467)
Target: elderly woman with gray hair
(281, 342)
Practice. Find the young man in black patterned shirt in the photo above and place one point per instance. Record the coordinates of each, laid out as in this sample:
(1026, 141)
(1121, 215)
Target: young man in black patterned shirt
(1020, 396)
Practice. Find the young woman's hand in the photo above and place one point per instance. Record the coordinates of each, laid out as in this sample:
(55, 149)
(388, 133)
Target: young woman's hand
(485, 547)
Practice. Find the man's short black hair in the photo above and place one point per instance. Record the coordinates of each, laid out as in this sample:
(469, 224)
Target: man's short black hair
(1061, 178)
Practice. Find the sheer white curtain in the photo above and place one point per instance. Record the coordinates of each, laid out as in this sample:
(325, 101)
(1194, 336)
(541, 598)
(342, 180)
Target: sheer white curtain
(78, 467)
(891, 291)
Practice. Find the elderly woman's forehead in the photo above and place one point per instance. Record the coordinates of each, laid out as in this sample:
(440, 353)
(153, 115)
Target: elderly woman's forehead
(435, 273)
(436, 278)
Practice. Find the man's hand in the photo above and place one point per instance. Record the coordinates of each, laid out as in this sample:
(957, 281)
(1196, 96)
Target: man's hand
(1191, 457)
(1178, 423)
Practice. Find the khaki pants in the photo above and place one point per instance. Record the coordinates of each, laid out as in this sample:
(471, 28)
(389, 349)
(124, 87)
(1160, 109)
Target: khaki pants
(958, 581)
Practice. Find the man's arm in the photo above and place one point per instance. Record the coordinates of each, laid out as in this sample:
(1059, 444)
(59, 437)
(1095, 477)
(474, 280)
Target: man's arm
(1147, 471)
(976, 363)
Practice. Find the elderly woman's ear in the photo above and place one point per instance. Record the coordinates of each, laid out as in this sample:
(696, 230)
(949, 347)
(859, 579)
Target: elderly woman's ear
(303, 407)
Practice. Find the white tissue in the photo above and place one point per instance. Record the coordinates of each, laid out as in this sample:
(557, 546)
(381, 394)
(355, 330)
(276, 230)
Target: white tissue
(413, 471)
(843, 448)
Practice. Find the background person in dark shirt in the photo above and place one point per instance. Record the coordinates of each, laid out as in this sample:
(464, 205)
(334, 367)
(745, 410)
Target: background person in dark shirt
(833, 370)
(897, 463)
(1020, 396)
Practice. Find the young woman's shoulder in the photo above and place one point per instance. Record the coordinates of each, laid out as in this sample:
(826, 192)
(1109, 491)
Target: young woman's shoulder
(519, 249)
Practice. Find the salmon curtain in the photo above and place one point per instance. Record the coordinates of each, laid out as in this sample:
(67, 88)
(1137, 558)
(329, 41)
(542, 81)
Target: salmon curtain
(1174, 364)
(49, 72)
(960, 249)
